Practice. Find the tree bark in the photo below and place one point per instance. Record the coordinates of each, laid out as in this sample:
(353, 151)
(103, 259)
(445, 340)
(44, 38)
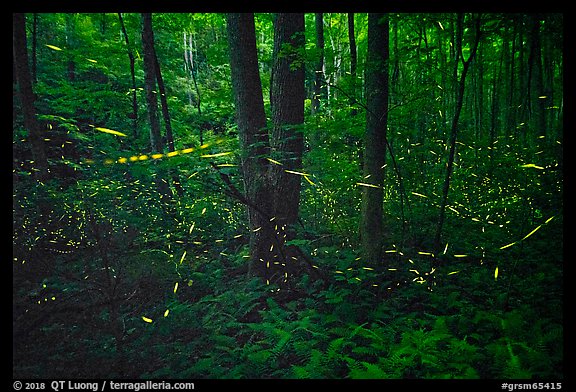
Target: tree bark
(287, 140)
(150, 77)
(150, 83)
(163, 101)
(189, 65)
(27, 97)
(254, 141)
(376, 90)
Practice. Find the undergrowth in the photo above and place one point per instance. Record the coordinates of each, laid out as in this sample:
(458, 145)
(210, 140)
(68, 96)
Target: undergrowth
(153, 292)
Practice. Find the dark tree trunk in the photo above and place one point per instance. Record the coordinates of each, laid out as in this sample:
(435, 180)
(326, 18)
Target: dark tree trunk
(150, 83)
(287, 140)
(157, 146)
(254, 143)
(34, 48)
(288, 95)
(167, 123)
(27, 97)
(163, 102)
(376, 90)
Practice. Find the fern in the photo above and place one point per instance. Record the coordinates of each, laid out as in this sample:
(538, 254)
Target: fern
(300, 372)
(281, 346)
(369, 371)
(367, 351)
(334, 348)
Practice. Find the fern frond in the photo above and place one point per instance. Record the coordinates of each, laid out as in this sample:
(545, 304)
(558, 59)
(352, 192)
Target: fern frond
(370, 371)
(334, 348)
(300, 372)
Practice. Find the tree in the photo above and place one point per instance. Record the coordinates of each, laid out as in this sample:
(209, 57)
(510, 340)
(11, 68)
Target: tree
(134, 114)
(254, 141)
(537, 107)
(270, 162)
(376, 86)
(459, 101)
(151, 76)
(150, 82)
(319, 66)
(71, 43)
(163, 101)
(189, 56)
(27, 97)
(287, 140)
(353, 61)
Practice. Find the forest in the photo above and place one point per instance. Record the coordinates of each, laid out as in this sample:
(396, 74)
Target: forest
(287, 196)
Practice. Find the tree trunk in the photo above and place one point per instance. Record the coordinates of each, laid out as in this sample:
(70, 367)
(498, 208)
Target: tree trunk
(71, 44)
(189, 65)
(254, 143)
(376, 90)
(134, 115)
(27, 98)
(34, 48)
(319, 68)
(150, 83)
(163, 102)
(537, 101)
(353, 61)
(287, 140)
(150, 75)
(167, 123)
(455, 119)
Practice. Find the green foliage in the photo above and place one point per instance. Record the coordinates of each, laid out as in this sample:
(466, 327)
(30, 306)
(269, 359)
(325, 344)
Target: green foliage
(113, 277)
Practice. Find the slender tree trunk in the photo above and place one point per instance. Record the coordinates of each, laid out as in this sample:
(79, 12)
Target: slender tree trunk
(319, 68)
(189, 65)
(495, 112)
(134, 115)
(478, 66)
(150, 83)
(167, 122)
(371, 226)
(523, 92)
(353, 61)
(537, 101)
(163, 102)
(34, 48)
(454, 129)
(27, 97)
(353, 141)
(71, 44)
(150, 75)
